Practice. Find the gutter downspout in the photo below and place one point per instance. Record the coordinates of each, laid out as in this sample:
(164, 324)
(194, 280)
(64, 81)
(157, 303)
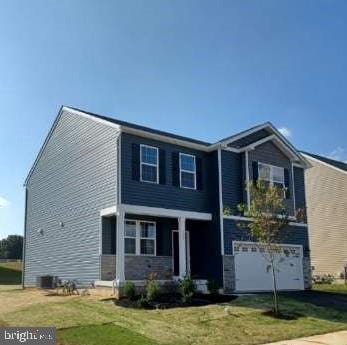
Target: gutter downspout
(24, 237)
(220, 187)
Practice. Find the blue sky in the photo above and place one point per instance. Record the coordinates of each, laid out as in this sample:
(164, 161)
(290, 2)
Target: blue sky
(204, 69)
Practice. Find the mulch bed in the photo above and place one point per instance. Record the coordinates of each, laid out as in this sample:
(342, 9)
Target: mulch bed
(168, 301)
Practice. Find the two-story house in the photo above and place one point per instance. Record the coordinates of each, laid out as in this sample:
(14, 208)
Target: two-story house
(110, 201)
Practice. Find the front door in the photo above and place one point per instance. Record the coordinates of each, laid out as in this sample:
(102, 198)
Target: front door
(176, 253)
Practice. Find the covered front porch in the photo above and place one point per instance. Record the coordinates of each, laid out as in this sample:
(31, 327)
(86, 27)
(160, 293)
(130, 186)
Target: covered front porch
(139, 241)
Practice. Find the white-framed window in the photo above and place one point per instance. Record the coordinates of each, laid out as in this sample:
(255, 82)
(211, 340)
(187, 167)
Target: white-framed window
(187, 171)
(149, 164)
(140, 237)
(272, 175)
(130, 237)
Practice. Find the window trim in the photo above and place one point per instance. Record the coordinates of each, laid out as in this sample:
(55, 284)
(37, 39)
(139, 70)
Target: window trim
(149, 164)
(187, 171)
(138, 237)
(271, 180)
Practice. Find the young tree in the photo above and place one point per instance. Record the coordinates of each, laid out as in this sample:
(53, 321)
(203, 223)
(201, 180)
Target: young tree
(269, 217)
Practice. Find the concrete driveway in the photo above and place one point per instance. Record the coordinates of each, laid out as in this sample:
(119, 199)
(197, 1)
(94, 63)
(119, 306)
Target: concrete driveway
(337, 338)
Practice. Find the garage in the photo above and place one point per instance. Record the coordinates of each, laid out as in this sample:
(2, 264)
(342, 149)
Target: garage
(252, 271)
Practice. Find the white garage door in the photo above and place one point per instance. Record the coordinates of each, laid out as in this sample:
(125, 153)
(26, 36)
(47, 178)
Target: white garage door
(252, 271)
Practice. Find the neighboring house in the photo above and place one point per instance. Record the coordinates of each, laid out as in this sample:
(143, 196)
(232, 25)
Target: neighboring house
(326, 192)
(108, 200)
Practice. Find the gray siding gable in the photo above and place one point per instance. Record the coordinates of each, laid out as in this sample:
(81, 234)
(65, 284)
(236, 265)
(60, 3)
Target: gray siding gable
(74, 178)
(269, 153)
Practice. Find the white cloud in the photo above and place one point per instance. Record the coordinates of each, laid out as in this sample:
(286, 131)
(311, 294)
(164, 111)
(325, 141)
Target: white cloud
(4, 202)
(339, 154)
(285, 132)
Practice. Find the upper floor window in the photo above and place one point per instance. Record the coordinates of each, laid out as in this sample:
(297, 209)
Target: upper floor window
(272, 175)
(149, 167)
(140, 237)
(187, 171)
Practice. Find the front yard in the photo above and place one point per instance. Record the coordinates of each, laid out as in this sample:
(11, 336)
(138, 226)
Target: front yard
(89, 320)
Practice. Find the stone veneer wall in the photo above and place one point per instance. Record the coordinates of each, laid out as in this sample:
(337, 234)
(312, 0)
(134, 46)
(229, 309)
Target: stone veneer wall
(139, 267)
(229, 273)
(307, 273)
(108, 267)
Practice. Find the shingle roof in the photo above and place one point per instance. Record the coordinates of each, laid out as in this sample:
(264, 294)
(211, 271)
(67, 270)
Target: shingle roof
(333, 162)
(143, 128)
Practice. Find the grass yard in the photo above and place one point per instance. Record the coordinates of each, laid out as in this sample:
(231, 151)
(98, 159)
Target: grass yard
(10, 273)
(334, 288)
(91, 321)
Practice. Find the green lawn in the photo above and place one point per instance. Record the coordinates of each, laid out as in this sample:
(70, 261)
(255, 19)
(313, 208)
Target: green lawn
(335, 288)
(10, 273)
(90, 321)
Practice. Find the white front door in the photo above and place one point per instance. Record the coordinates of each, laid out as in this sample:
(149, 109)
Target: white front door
(175, 253)
(253, 273)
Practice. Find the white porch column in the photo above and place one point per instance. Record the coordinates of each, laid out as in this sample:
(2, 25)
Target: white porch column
(182, 247)
(120, 276)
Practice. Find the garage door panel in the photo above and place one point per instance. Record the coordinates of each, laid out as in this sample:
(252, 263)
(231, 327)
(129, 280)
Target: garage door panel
(253, 270)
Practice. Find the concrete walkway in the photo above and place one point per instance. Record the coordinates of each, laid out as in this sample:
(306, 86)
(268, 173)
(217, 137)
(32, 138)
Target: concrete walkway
(337, 338)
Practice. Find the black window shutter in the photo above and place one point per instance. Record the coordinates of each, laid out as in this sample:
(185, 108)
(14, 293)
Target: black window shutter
(175, 169)
(162, 166)
(286, 183)
(135, 160)
(255, 172)
(199, 184)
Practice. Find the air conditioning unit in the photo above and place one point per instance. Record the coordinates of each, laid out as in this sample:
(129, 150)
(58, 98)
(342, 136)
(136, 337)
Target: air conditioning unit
(46, 282)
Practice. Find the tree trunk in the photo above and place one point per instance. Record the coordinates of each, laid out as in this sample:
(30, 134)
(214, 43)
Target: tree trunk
(275, 296)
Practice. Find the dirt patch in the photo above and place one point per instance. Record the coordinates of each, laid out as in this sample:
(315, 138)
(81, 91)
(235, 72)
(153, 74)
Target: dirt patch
(12, 301)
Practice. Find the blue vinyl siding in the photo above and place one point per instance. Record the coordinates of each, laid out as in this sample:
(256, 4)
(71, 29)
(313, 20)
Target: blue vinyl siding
(299, 182)
(232, 179)
(291, 235)
(164, 195)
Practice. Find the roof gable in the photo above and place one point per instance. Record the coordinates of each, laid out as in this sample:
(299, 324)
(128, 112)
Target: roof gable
(240, 142)
(331, 162)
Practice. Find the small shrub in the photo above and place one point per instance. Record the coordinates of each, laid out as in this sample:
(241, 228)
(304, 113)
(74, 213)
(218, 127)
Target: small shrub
(152, 290)
(213, 287)
(187, 289)
(129, 290)
(142, 302)
(323, 279)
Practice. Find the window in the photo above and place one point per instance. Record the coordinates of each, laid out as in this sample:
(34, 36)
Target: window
(130, 237)
(187, 171)
(272, 175)
(149, 171)
(140, 237)
(147, 239)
